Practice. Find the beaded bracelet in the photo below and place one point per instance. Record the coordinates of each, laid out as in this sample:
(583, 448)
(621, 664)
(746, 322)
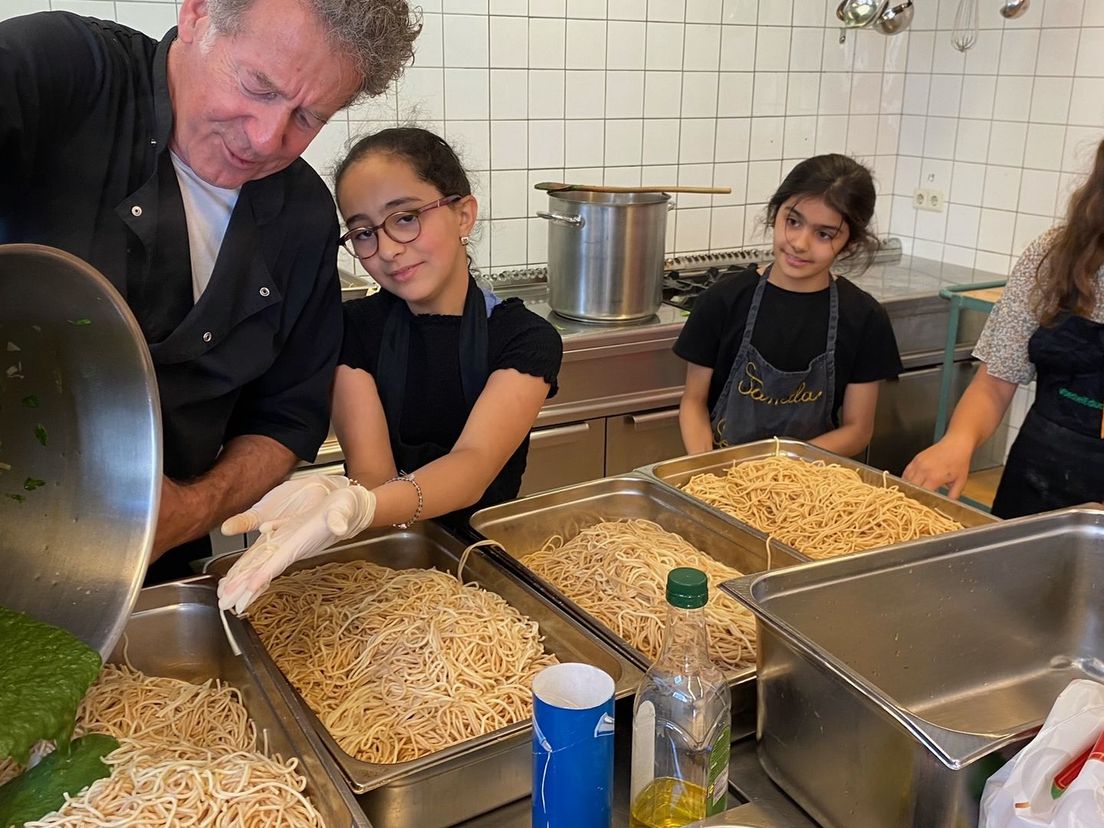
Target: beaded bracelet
(409, 478)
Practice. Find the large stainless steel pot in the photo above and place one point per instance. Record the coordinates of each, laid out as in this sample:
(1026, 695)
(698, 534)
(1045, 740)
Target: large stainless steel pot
(605, 254)
(80, 445)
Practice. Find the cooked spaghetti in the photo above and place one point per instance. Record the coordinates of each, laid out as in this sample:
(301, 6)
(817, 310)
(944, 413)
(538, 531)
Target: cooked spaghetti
(187, 756)
(399, 663)
(617, 572)
(820, 509)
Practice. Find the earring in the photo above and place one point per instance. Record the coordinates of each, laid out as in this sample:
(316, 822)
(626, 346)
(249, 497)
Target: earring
(464, 241)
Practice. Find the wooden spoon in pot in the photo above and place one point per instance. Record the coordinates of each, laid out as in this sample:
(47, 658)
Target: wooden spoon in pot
(556, 187)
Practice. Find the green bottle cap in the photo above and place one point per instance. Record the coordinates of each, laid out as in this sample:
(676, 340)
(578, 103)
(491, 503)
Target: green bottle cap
(687, 588)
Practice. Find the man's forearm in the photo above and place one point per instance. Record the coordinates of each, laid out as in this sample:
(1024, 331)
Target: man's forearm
(246, 469)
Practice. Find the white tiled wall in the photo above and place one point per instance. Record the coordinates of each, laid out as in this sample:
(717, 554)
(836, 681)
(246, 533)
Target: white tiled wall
(1003, 130)
(726, 92)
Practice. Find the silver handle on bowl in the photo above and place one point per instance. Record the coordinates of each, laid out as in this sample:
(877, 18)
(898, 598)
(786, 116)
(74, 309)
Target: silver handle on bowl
(561, 218)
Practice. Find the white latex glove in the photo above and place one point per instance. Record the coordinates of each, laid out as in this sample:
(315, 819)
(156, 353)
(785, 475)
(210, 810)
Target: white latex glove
(340, 514)
(290, 498)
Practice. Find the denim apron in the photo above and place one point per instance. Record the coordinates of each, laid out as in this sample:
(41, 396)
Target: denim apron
(760, 401)
(1057, 459)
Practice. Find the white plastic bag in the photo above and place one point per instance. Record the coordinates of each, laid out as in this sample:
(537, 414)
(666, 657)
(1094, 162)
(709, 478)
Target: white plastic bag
(1019, 794)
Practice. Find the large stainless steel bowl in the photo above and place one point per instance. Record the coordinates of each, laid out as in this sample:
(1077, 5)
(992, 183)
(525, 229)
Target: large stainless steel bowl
(80, 444)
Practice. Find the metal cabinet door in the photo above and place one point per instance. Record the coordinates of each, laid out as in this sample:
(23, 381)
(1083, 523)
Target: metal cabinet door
(564, 454)
(904, 423)
(635, 440)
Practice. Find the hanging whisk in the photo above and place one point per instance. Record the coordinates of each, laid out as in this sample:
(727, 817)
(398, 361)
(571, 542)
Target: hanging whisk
(965, 32)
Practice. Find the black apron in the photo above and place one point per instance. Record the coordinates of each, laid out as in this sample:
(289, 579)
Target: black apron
(1057, 459)
(760, 401)
(391, 369)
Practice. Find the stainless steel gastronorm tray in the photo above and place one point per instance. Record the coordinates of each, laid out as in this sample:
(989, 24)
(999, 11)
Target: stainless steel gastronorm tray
(522, 526)
(174, 631)
(472, 777)
(676, 473)
(892, 684)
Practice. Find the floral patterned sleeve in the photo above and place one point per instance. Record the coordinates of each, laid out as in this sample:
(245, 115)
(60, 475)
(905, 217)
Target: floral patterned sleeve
(1002, 345)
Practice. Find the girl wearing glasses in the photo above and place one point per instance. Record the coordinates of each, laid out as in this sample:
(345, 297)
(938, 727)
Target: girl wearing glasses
(438, 383)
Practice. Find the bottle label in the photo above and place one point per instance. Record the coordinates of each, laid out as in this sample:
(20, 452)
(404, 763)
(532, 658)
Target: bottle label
(717, 787)
(643, 748)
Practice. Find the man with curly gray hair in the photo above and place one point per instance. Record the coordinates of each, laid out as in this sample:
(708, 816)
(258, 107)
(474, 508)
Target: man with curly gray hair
(174, 168)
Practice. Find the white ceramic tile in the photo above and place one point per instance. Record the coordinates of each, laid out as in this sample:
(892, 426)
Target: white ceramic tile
(961, 256)
(663, 44)
(594, 9)
(993, 263)
(1013, 99)
(421, 94)
(509, 46)
(1066, 13)
(467, 93)
(585, 143)
(623, 142)
(509, 239)
(509, 193)
(1050, 100)
(625, 176)
(466, 7)
(703, 11)
(925, 249)
(696, 140)
(1087, 102)
(962, 225)
(902, 220)
(546, 42)
(907, 176)
(627, 10)
(995, 230)
(1079, 149)
(514, 7)
(972, 141)
(862, 136)
(726, 228)
(1006, 143)
(103, 9)
(866, 93)
(1002, 187)
(738, 49)
(1044, 146)
(766, 138)
(831, 134)
(625, 44)
(836, 56)
(1068, 183)
(870, 54)
(702, 47)
(917, 94)
(799, 136)
(802, 93)
(1057, 52)
(1090, 52)
(662, 94)
(835, 93)
(671, 10)
(967, 183)
(984, 57)
(466, 40)
(1093, 15)
(699, 94)
(921, 48)
(775, 14)
(1028, 228)
(913, 128)
(735, 94)
(661, 141)
(1019, 51)
(739, 11)
(624, 94)
(733, 176)
(763, 179)
(772, 49)
(509, 145)
(946, 59)
(586, 94)
(946, 95)
(429, 48)
(586, 44)
(978, 93)
(889, 134)
(769, 93)
(893, 92)
(733, 139)
(930, 226)
(472, 142)
(896, 58)
(1038, 192)
(537, 231)
(695, 175)
(547, 8)
(692, 233)
(546, 143)
(546, 93)
(509, 93)
(805, 52)
(538, 200)
(153, 19)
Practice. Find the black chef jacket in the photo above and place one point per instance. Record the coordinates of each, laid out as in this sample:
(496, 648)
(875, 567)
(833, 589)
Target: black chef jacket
(84, 115)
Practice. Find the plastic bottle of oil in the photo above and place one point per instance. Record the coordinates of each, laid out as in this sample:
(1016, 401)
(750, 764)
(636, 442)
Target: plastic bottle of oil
(681, 718)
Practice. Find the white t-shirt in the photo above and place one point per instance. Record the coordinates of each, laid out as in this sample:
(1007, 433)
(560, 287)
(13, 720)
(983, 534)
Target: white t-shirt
(207, 209)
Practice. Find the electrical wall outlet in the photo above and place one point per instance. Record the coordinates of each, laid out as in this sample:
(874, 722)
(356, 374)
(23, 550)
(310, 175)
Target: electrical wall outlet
(928, 200)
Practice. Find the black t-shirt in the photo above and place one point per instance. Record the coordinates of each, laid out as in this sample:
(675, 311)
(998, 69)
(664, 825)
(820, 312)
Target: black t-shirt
(791, 329)
(434, 409)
